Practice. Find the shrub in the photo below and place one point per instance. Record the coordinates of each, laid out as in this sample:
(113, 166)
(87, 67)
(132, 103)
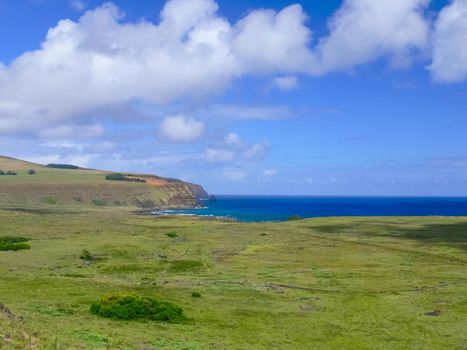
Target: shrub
(13, 243)
(99, 202)
(122, 177)
(196, 294)
(49, 200)
(62, 166)
(87, 256)
(172, 235)
(31, 172)
(8, 172)
(134, 307)
(295, 217)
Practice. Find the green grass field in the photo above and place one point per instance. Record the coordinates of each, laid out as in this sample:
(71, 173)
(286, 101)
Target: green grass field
(331, 283)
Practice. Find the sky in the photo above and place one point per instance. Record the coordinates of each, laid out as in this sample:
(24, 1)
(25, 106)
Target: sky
(316, 97)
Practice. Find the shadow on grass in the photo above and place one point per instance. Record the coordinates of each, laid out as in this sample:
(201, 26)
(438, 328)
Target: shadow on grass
(38, 211)
(452, 234)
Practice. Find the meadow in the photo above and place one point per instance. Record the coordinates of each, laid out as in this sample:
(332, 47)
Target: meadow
(330, 283)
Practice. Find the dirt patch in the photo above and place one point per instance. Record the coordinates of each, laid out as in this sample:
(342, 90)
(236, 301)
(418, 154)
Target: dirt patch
(433, 313)
(6, 312)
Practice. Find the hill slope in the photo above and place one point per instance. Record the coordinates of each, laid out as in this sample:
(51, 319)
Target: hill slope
(89, 187)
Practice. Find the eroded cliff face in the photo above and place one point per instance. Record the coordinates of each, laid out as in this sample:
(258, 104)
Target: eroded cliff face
(177, 195)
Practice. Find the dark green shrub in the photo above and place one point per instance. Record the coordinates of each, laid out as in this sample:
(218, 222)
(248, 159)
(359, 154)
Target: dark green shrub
(295, 217)
(13, 243)
(87, 256)
(13, 239)
(8, 172)
(32, 172)
(63, 166)
(99, 202)
(172, 235)
(134, 307)
(122, 177)
(196, 294)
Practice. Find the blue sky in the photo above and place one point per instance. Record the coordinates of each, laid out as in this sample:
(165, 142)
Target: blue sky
(330, 97)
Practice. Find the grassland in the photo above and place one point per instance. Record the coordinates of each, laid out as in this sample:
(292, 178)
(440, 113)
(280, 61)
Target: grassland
(88, 187)
(334, 283)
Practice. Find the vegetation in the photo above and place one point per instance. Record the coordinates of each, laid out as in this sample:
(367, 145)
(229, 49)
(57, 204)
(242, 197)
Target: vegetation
(99, 202)
(133, 307)
(172, 235)
(295, 217)
(13, 243)
(31, 172)
(196, 294)
(122, 177)
(63, 166)
(7, 173)
(331, 283)
(79, 187)
(87, 256)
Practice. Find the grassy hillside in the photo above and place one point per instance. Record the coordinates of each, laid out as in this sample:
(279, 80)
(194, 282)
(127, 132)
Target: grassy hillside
(333, 283)
(49, 186)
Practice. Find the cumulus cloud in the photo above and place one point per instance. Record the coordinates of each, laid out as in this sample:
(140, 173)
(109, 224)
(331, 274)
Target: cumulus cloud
(101, 60)
(450, 43)
(78, 5)
(234, 149)
(181, 129)
(362, 31)
(286, 83)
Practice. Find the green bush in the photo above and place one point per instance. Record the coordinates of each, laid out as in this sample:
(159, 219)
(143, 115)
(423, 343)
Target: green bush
(99, 202)
(295, 217)
(196, 294)
(134, 307)
(49, 200)
(13, 243)
(87, 256)
(8, 172)
(172, 235)
(31, 172)
(63, 166)
(122, 177)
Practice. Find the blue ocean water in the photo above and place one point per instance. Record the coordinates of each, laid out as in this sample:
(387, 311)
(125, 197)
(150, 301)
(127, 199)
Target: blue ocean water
(273, 208)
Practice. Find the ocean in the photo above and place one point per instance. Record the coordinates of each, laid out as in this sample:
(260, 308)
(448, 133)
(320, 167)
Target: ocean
(276, 208)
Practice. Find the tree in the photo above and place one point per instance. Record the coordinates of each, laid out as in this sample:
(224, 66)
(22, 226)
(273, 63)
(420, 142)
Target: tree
(32, 172)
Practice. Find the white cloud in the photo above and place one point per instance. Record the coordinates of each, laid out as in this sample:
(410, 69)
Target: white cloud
(233, 139)
(219, 155)
(286, 83)
(71, 131)
(102, 61)
(268, 42)
(181, 129)
(250, 112)
(269, 173)
(77, 5)
(362, 31)
(450, 43)
(234, 149)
